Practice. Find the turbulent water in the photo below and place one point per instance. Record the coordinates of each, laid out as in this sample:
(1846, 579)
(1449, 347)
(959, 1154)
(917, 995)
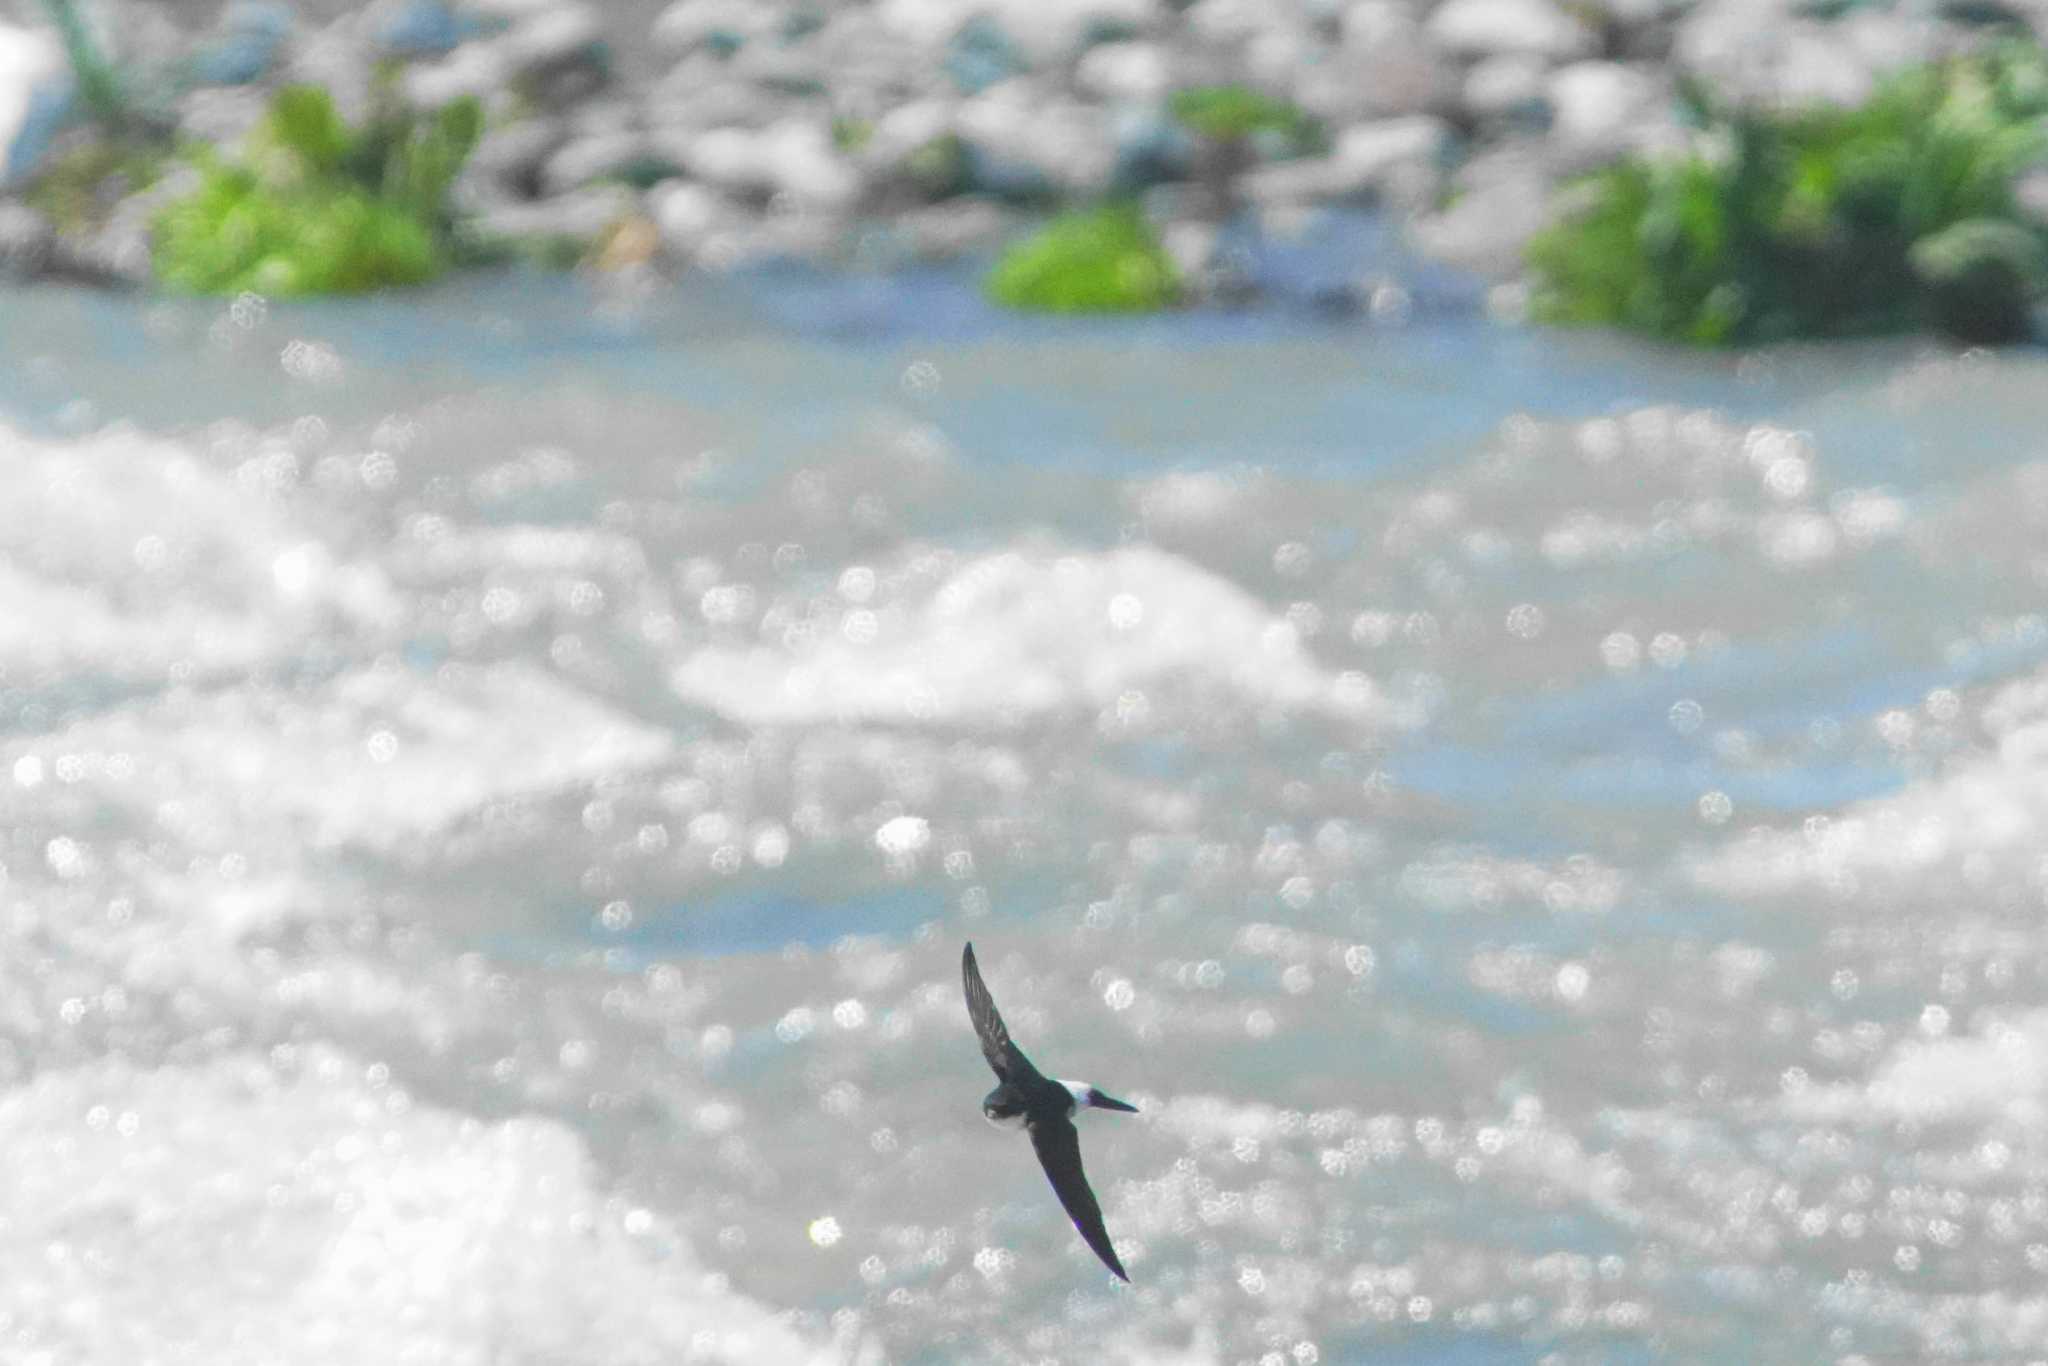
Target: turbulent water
(494, 786)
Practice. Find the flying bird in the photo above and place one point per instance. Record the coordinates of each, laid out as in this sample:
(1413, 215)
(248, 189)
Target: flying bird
(1046, 1108)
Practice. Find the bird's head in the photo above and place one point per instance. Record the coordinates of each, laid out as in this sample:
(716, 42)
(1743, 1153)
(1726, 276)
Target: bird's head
(1086, 1097)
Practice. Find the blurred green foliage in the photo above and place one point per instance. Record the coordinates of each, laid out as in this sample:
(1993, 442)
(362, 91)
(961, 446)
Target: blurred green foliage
(320, 207)
(1228, 113)
(79, 187)
(1807, 223)
(940, 168)
(1980, 276)
(1100, 260)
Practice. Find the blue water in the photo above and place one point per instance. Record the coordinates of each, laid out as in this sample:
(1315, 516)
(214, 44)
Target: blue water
(1557, 888)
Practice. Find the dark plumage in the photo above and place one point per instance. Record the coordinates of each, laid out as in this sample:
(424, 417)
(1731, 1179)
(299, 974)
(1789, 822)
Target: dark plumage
(1045, 1107)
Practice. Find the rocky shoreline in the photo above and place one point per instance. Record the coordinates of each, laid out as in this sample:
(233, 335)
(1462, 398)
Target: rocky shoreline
(715, 133)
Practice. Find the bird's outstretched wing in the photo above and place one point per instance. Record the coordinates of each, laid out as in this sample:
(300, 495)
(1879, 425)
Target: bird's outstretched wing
(1005, 1057)
(1059, 1152)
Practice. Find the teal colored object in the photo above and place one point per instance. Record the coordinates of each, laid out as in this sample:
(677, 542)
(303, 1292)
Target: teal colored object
(99, 87)
(981, 54)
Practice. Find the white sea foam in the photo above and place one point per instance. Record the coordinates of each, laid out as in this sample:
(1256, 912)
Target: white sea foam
(1986, 814)
(123, 554)
(376, 756)
(1016, 635)
(233, 1212)
(1999, 1072)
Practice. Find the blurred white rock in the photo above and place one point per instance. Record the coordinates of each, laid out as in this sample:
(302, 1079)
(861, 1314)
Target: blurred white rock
(1124, 71)
(904, 129)
(1399, 155)
(1383, 64)
(1488, 28)
(1064, 141)
(585, 159)
(555, 33)
(473, 69)
(1599, 108)
(510, 155)
(32, 73)
(25, 239)
(802, 163)
(581, 215)
(954, 228)
(1510, 86)
(687, 212)
(1763, 52)
(694, 25)
(1504, 201)
(1046, 30)
(730, 159)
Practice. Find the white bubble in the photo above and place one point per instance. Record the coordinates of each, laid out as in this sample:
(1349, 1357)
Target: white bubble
(857, 583)
(771, 846)
(860, 627)
(1620, 651)
(904, 836)
(1525, 621)
(825, 1232)
(1667, 650)
(796, 1024)
(1787, 477)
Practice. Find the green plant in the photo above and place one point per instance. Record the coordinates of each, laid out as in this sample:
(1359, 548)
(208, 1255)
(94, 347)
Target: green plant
(1101, 260)
(1979, 276)
(1799, 223)
(851, 134)
(77, 188)
(940, 168)
(1230, 112)
(320, 207)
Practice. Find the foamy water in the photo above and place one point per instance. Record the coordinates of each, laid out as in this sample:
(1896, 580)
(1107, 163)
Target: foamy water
(1550, 837)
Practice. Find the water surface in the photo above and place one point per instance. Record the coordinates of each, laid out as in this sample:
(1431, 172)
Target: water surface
(495, 782)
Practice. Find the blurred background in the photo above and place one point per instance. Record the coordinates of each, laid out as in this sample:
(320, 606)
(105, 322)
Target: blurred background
(1450, 592)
